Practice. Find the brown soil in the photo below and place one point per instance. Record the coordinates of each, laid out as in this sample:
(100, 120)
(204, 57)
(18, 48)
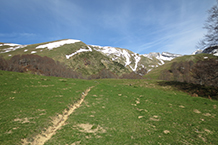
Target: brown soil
(88, 128)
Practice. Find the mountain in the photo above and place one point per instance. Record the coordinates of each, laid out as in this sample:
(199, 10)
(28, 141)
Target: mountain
(166, 56)
(90, 59)
(197, 52)
(181, 63)
(210, 50)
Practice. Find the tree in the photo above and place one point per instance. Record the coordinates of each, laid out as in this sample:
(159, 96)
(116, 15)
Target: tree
(3, 64)
(211, 38)
(206, 72)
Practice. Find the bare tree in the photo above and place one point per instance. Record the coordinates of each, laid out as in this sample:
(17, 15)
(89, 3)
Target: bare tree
(211, 38)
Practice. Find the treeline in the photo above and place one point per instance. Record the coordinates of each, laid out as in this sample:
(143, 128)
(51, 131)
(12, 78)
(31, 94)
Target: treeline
(203, 72)
(37, 65)
(105, 73)
(47, 66)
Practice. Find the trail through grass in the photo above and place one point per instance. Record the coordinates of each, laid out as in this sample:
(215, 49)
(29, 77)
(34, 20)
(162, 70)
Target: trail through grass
(28, 103)
(57, 121)
(118, 114)
(113, 112)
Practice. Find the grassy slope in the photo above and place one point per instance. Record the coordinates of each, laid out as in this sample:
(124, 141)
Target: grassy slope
(154, 74)
(113, 106)
(119, 113)
(36, 98)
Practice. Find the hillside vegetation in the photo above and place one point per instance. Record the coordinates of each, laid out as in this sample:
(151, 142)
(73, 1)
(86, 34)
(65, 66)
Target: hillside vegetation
(86, 60)
(112, 112)
(157, 72)
(36, 64)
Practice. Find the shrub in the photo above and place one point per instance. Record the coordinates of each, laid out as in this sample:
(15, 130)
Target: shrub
(37, 65)
(131, 75)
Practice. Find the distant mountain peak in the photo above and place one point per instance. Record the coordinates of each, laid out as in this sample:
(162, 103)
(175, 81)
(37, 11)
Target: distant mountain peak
(164, 56)
(210, 50)
(198, 51)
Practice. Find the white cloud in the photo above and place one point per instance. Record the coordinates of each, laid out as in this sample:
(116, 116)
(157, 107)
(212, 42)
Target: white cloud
(139, 25)
(176, 31)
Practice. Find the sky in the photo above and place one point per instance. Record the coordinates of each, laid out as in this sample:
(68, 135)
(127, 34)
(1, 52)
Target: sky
(142, 26)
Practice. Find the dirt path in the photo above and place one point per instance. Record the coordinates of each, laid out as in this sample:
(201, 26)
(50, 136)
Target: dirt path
(58, 122)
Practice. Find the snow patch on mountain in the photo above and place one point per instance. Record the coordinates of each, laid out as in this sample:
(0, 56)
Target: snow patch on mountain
(56, 44)
(137, 59)
(79, 51)
(114, 51)
(153, 65)
(12, 48)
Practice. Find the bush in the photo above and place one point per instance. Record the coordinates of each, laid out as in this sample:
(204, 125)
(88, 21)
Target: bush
(103, 74)
(131, 75)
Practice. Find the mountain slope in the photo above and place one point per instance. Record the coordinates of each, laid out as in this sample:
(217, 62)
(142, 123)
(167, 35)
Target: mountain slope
(155, 73)
(90, 59)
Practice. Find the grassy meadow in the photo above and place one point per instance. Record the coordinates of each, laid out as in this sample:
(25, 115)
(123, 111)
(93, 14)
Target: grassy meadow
(113, 112)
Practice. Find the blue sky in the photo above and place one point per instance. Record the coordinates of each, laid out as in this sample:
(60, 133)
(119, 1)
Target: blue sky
(141, 26)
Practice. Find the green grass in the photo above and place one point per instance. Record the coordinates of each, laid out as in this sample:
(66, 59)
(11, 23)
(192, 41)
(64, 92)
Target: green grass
(114, 107)
(36, 98)
(114, 112)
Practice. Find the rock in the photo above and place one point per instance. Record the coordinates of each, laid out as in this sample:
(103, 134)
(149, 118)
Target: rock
(166, 131)
(194, 95)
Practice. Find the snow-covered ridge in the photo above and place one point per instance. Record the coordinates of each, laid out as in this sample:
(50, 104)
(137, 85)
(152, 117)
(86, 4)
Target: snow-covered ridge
(197, 52)
(211, 50)
(57, 44)
(118, 53)
(164, 56)
(115, 52)
(9, 44)
(78, 51)
(172, 55)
